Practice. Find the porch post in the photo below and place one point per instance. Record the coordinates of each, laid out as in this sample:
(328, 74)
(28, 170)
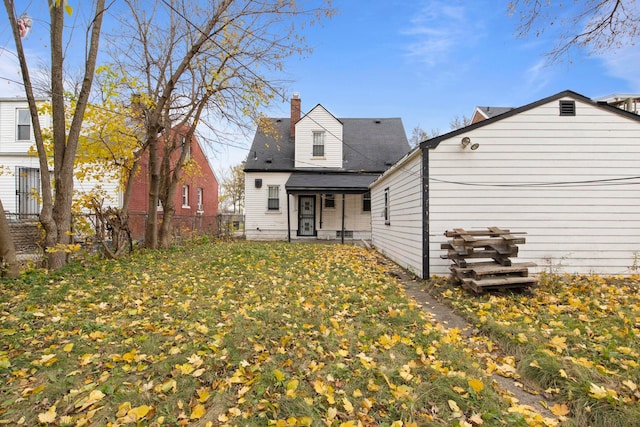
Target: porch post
(342, 234)
(288, 220)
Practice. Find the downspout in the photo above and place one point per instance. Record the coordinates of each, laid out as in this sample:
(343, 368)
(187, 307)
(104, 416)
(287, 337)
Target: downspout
(288, 220)
(425, 212)
(342, 237)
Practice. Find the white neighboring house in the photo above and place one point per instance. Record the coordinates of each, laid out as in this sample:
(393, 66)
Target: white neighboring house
(308, 177)
(20, 174)
(564, 169)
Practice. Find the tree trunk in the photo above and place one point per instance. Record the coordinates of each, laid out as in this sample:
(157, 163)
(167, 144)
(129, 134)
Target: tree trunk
(7, 248)
(165, 236)
(151, 231)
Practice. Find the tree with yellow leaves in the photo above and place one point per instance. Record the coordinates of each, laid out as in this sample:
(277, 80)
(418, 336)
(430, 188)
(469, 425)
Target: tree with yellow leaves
(56, 211)
(209, 64)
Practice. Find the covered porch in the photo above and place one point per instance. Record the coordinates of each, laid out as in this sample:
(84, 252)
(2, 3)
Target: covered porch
(329, 206)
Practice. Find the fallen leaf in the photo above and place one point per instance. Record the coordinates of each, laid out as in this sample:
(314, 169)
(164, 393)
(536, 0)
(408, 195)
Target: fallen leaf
(197, 412)
(560, 409)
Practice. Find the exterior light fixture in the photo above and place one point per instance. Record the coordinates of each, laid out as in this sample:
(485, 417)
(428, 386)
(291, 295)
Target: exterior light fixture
(466, 142)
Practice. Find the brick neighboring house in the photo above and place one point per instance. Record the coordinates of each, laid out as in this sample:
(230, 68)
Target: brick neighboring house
(195, 201)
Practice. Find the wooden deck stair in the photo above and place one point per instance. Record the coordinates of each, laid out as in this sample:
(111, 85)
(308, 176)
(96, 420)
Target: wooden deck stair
(499, 245)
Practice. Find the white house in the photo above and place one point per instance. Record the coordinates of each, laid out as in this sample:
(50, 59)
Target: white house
(309, 176)
(20, 170)
(564, 169)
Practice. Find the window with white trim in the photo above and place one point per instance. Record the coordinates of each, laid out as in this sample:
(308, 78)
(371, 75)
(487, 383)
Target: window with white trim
(318, 144)
(273, 200)
(23, 122)
(387, 218)
(200, 199)
(329, 200)
(185, 196)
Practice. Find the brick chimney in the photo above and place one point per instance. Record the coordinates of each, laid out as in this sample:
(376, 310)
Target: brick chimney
(295, 114)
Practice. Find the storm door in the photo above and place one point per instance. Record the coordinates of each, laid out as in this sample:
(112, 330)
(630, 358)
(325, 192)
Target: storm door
(307, 216)
(28, 191)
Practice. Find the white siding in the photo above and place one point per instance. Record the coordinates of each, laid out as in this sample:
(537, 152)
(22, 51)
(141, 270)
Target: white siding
(8, 178)
(260, 223)
(9, 143)
(13, 155)
(401, 239)
(318, 120)
(546, 175)
(355, 219)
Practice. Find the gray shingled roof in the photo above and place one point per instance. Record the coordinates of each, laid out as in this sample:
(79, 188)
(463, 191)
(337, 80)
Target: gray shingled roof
(370, 145)
(494, 111)
(300, 182)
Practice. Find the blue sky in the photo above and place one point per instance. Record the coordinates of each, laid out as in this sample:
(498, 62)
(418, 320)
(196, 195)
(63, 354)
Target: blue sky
(425, 62)
(430, 61)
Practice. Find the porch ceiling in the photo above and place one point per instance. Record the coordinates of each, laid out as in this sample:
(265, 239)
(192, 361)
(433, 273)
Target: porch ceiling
(300, 183)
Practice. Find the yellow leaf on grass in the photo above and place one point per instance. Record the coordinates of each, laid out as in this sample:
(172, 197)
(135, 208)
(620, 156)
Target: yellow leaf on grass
(597, 391)
(457, 413)
(203, 395)
(558, 343)
(476, 419)
(49, 416)
(347, 405)
(4, 362)
(139, 412)
(94, 397)
(278, 375)
(292, 385)
(197, 412)
(68, 347)
(476, 385)
(560, 410)
(185, 368)
(630, 385)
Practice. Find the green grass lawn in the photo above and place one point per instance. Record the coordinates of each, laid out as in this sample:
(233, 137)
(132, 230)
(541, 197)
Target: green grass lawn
(577, 337)
(235, 334)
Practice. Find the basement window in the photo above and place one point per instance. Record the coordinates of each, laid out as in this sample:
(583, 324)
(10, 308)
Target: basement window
(567, 108)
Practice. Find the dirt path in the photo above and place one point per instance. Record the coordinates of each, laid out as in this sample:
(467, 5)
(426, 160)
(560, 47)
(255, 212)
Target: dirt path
(511, 387)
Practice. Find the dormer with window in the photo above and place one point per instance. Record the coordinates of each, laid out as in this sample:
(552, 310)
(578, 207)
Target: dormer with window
(318, 140)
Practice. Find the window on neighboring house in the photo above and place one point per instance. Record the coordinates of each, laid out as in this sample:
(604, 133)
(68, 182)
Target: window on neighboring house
(329, 200)
(23, 120)
(387, 219)
(318, 144)
(366, 202)
(273, 202)
(200, 198)
(185, 146)
(159, 204)
(185, 196)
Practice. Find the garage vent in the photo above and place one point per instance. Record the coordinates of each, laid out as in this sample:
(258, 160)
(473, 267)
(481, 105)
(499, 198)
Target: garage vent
(567, 108)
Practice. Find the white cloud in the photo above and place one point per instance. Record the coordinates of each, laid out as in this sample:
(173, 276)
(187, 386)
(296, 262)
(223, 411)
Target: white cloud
(539, 75)
(623, 63)
(438, 30)
(10, 77)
